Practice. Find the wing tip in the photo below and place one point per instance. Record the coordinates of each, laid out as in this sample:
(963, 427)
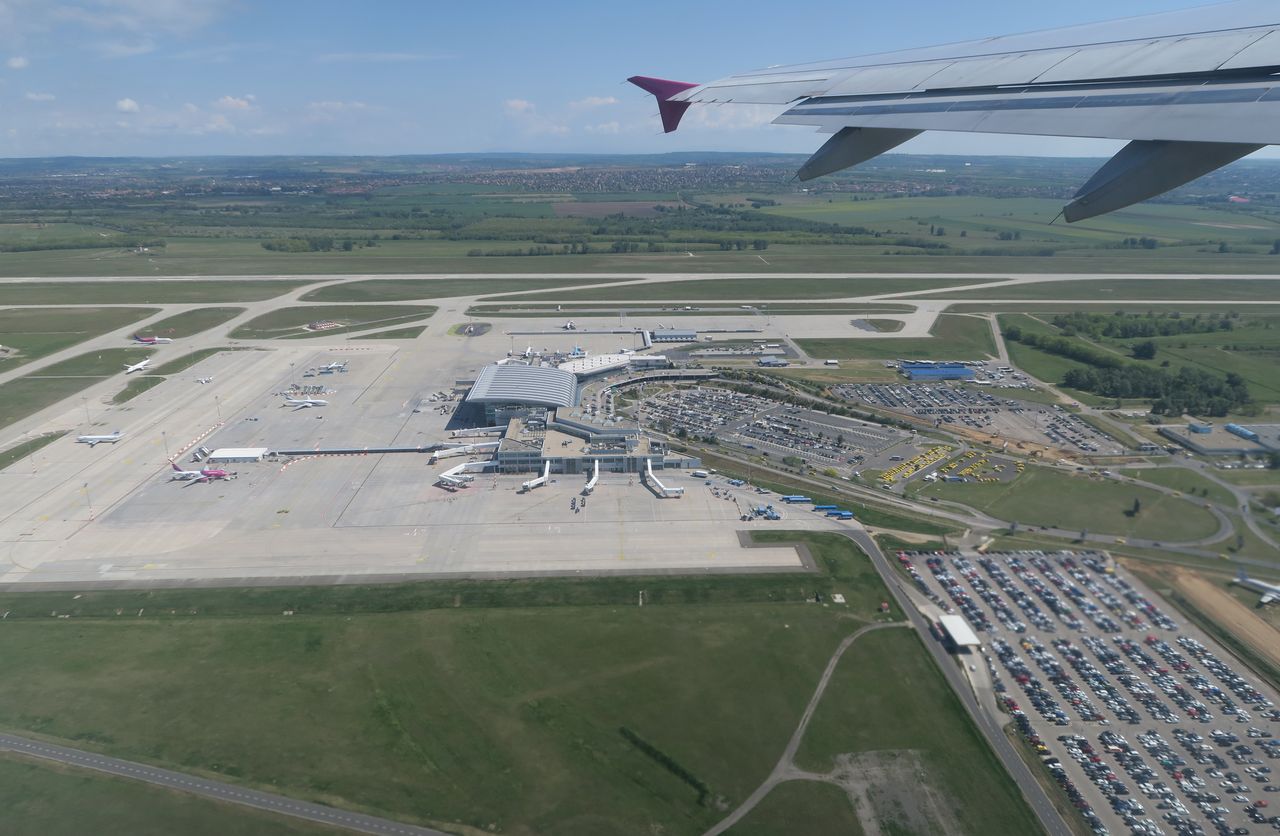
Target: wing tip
(663, 89)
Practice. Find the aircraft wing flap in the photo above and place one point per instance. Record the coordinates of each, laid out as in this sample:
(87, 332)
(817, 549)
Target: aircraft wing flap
(1260, 52)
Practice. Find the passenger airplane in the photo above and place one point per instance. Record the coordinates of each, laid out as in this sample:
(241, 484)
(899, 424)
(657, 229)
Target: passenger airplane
(205, 474)
(93, 440)
(152, 340)
(136, 367)
(304, 403)
(1191, 90)
(1270, 591)
(203, 380)
(334, 367)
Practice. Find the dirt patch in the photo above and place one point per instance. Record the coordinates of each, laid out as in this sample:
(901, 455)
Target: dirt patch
(1223, 609)
(891, 792)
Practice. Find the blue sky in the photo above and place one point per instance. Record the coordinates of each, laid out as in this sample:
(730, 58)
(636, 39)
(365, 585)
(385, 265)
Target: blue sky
(185, 77)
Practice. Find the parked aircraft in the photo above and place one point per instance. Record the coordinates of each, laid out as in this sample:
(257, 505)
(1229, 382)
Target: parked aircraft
(569, 326)
(1270, 591)
(137, 367)
(93, 440)
(334, 367)
(304, 403)
(204, 474)
(203, 380)
(1192, 91)
(152, 340)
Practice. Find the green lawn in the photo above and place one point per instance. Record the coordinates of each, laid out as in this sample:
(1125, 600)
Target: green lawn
(292, 322)
(954, 337)
(410, 333)
(1181, 479)
(408, 290)
(801, 807)
(1100, 290)
(888, 699)
(744, 290)
(135, 387)
(192, 322)
(41, 799)
(186, 361)
(460, 702)
(145, 292)
(39, 332)
(1249, 478)
(31, 393)
(1057, 498)
(18, 452)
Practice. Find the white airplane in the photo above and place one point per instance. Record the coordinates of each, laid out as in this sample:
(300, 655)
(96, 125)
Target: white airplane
(203, 380)
(304, 403)
(137, 367)
(205, 474)
(569, 326)
(1270, 591)
(92, 440)
(334, 367)
(152, 340)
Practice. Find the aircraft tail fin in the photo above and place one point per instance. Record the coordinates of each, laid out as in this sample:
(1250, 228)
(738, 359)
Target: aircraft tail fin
(1241, 576)
(662, 90)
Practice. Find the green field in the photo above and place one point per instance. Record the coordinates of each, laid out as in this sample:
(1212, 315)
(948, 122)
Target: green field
(743, 290)
(1058, 499)
(802, 807)
(1249, 478)
(1181, 479)
(42, 799)
(954, 337)
(152, 292)
(408, 290)
(190, 323)
(39, 332)
(135, 387)
(413, 712)
(1098, 291)
(911, 718)
(18, 452)
(31, 393)
(186, 361)
(292, 322)
(410, 333)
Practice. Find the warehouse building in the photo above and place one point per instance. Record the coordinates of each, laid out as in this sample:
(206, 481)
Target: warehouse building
(236, 455)
(672, 335)
(936, 371)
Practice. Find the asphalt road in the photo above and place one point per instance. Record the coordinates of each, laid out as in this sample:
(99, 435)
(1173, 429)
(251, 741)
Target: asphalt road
(216, 790)
(1032, 791)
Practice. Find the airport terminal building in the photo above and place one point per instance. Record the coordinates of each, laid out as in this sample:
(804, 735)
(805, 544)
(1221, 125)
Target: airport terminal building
(539, 406)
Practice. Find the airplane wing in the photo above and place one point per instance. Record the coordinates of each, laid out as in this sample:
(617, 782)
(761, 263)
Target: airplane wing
(1192, 90)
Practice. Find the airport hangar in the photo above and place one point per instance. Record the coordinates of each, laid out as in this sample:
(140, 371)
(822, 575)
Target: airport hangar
(535, 410)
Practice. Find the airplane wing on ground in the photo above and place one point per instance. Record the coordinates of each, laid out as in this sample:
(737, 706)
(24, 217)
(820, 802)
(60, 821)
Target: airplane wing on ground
(1192, 90)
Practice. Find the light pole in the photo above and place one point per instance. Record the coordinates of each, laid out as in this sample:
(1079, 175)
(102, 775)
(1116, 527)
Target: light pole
(87, 419)
(87, 500)
(217, 404)
(164, 437)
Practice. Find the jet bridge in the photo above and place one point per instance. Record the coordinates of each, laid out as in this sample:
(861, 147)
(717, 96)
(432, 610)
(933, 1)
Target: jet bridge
(591, 483)
(464, 450)
(540, 481)
(663, 490)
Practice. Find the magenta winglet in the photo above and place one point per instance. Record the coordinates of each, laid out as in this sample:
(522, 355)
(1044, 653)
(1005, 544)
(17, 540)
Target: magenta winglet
(663, 89)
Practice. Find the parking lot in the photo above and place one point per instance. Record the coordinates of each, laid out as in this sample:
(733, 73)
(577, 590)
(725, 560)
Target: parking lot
(773, 428)
(950, 405)
(1147, 724)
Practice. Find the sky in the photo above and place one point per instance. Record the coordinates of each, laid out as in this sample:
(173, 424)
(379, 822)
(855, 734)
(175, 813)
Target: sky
(195, 77)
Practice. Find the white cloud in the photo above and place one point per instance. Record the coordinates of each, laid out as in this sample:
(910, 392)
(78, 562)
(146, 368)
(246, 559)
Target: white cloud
(329, 111)
(235, 102)
(137, 15)
(607, 128)
(519, 107)
(593, 102)
(126, 49)
(17, 62)
(40, 97)
(526, 114)
(127, 106)
(377, 57)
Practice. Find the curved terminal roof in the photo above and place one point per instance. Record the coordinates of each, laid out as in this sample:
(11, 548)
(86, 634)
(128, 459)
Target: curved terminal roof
(538, 385)
(598, 364)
